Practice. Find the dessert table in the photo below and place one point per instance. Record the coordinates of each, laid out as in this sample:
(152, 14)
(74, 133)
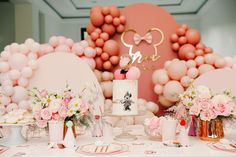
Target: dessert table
(38, 147)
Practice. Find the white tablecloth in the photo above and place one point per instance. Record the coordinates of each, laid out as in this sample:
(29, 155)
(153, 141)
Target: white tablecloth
(38, 147)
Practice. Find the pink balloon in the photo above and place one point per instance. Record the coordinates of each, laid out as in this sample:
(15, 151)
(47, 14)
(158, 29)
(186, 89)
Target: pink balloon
(53, 41)
(35, 47)
(229, 61)
(89, 52)
(156, 74)
(32, 56)
(199, 60)
(118, 75)
(14, 74)
(192, 72)
(164, 102)
(133, 73)
(14, 47)
(167, 64)
(172, 90)
(77, 49)
(176, 70)
(61, 40)
(4, 67)
(17, 61)
(8, 90)
(69, 43)
(20, 94)
(33, 64)
(29, 42)
(191, 64)
(107, 88)
(205, 68)
(62, 48)
(234, 66)
(209, 59)
(27, 72)
(106, 76)
(6, 82)
(5, 55)
(220, 63)
(158, 89)
(84, 43)
(193, 36)
(162, 79)
(185, 81)
(90, 62)
(23, 82)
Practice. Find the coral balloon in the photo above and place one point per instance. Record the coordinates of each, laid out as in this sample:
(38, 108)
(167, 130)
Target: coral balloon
(174, 38)
(120, 28)
(172, 90)
(200, 46)
(189, 55)
(114, 60)
(182, 40)
(184, 26)
(180, 31)
(105, 56)
(94, 36)
(104, 36)
(99, 63)
(107, 65)
(99, 42)
(108, 19)
(17, 61)
(176, 70)
(118, 75)
(199, 52)
(105, 10)
(175, 46)
(97, 19)
(116, 21)
(122, 19)
(114, 11)
(158, 89)
(186, 49)
(90, 28)
(208, 50)
(205, 68)
(193, 36)
(108, 28)
(111, 47)
(98, 51)
(133, 73)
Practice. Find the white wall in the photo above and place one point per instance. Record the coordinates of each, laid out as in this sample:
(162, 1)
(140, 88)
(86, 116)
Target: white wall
(218, 26)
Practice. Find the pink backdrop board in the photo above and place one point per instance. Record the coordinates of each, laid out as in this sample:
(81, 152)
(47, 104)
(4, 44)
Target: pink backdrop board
(218, 80)
(58, 69)
(142, 17)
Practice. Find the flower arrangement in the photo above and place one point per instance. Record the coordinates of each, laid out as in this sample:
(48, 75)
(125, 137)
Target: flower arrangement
(201, 102)
(153, 126)
(64, 105)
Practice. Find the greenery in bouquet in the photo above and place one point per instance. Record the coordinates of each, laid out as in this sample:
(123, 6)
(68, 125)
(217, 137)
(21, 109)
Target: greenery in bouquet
(201, 102)
(65, 105)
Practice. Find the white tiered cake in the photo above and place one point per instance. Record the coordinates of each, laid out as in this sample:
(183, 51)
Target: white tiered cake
(125, 97)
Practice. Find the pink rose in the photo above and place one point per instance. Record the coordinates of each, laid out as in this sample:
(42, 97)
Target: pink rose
(56, 116)
(66, 100)
(46, 114)
(44, 93)
(41, 123)
(194, 110)
(203, 104)
(63, 111)
(222, 109)
(207, 115)
(37, 115)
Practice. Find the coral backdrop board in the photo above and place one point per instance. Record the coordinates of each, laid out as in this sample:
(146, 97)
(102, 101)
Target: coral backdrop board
(151, 26)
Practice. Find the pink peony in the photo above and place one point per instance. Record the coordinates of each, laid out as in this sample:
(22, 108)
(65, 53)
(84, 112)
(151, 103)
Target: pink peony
(207, 115)
(46, 114)
(222, 105)
(41, 123)
(44, 93)
(63, 111)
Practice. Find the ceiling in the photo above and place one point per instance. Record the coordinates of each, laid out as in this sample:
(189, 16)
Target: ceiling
(68, 9)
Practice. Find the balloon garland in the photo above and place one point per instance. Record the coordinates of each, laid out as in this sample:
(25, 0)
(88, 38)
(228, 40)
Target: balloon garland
(194, 59)
(104, 23)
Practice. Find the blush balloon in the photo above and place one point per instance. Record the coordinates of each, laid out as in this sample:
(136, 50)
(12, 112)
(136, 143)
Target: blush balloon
(166, 64)
(5, 55)
(27, 72)
(164, 102)
(12, 107)
(17, 61)
(208, 50)
(176, 70)
(107, 65)
(193, 36)
(185, 81)
(90, 61)
(108, 19)
(62, 48)
(220, 63)
(107, 88)
(111, 47)
(84, 43)
(172, 90)
(53, 41)
(158, 89)
(175, 46)
(156, 74)
(77, 49)
(162, 79)
(106, 76)
(229, 61)
(8, 90)
(191, 64)
(118, 75)
(174, 38)
(114, 60)
(105, 56)
(32, 56)
(192, 72)
(199, 60)
(33, 64)
(108, 28)
(205, 68)
(199, 52)
(209, 59)
(133, 73)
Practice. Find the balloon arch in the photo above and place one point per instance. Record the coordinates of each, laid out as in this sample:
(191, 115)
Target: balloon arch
(101, 52)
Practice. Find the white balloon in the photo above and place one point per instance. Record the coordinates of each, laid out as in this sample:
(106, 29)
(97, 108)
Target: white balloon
(33, 64)
(20, 94)
(14, 74)
(27, 72)
(153, 107)
(18, 61)
(23, 82)
(7, 82)
(5, 100)
(142, 101)
(8, 90)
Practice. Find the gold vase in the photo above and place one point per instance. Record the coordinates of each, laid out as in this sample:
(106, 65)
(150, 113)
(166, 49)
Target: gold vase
(211, 130)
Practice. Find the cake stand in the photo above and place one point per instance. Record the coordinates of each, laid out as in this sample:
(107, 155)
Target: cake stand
(15, 136)
(125, 136)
